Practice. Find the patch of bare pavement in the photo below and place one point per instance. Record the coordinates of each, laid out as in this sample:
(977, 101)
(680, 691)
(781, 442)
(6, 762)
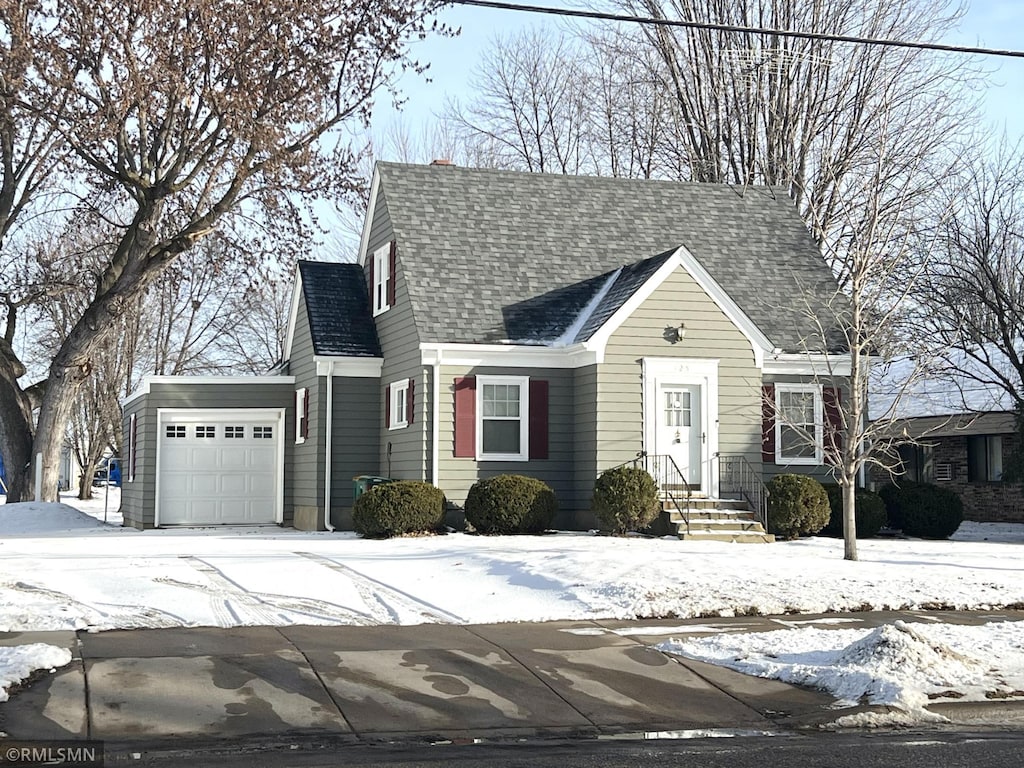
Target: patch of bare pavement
(166, 689)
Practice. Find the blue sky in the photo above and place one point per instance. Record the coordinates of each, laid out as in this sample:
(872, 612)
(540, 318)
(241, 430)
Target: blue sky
(991, 23)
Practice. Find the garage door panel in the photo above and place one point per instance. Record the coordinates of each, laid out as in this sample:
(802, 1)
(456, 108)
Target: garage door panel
(219, 479)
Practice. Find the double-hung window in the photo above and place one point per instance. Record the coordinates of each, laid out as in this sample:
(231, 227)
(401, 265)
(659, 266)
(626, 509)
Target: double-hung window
(381, 279)
(502, 411)
(799, 424)
(399, 410)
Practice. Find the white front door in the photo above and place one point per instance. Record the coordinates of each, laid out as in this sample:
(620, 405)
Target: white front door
(679, 433)
(680, 406)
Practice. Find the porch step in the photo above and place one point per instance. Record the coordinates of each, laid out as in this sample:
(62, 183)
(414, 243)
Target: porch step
(728, 520)
(731, 538)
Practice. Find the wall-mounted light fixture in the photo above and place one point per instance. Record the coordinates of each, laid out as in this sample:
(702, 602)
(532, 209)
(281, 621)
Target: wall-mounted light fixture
(674, 333)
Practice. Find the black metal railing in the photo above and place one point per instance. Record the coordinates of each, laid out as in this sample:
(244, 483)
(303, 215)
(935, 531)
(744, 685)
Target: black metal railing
(671, 482)
(736, 475)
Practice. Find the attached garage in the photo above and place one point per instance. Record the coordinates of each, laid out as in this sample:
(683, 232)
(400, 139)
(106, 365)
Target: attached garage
(220, 467)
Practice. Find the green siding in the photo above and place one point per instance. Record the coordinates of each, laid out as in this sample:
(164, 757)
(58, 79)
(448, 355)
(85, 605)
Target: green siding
(306, 477)
(402, 453)
(354, 441)
(457, 475)
(709, 335)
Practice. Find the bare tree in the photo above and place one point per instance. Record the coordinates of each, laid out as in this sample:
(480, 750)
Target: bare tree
(972, 303)
(805, 113)
(189, 119)
(530, 108)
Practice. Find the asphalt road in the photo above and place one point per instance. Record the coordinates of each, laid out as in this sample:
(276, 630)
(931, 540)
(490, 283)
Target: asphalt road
(924, 749)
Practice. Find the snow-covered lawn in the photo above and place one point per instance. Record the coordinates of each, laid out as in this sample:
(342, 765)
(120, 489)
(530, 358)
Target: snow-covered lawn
(61, 568)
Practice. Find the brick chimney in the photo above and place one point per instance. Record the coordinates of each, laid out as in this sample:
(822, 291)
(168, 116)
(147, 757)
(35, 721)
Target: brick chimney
(441, 161)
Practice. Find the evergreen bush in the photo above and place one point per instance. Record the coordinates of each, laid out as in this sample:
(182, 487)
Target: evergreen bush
(397, 508)
(625, 499)
(507, 504)
(870, 512)
(930, 512)
(797, 506)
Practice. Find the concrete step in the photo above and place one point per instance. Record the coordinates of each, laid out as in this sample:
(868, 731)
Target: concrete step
(721, 525)
(736, 537)
(709, 514)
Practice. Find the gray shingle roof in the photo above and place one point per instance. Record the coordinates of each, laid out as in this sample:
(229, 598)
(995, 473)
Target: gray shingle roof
(483, 249)
(338, 307)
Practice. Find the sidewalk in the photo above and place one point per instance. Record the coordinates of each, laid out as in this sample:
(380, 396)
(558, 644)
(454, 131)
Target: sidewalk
(429, 682)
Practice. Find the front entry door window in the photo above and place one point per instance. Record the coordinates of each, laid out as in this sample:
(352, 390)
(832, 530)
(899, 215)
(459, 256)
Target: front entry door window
(679, 430)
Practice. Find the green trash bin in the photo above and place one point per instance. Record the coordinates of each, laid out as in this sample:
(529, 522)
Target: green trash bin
(362, 483)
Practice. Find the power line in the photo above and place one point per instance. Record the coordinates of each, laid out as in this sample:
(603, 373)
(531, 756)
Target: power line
(602, 16)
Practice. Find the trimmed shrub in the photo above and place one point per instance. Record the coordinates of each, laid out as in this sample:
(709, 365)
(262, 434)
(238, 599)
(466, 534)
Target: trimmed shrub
(397, 508)
(870, 512)
(511, 504)
(797, 506)
(625, 499)
(923, 510)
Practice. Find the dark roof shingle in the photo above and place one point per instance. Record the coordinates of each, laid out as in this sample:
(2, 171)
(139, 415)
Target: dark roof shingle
(338, 308)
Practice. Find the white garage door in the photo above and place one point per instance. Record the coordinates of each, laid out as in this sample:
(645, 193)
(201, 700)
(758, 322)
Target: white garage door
(219, 468)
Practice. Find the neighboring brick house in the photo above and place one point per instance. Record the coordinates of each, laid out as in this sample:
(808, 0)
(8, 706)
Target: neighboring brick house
(962, 426)
(964, 452)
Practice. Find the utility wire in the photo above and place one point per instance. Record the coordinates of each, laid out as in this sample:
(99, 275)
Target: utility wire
(602, 16)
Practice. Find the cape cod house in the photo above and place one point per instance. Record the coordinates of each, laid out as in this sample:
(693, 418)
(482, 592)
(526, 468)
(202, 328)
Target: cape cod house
(497, 321)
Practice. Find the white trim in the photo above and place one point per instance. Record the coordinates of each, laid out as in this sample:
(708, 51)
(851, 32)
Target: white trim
(819, 425)
(348, 366)
(523, 382)
(684, 370)
(301, 395)
(435, 420)
(221, 415)
(807, 364)
(508, 355)
(381, 266)
(329, 434)
(293, 316)
(364, 238)
(681, 257)
(402, 385)
(133, 447)
(149, 381)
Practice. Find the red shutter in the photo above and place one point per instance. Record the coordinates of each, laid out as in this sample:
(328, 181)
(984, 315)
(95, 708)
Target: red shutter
(831, 398)
(371, 261)
(465, 417)
(768, 423)
(410, 401)
(538, 419)
(392, 263)
(387, 406)
(305, 412)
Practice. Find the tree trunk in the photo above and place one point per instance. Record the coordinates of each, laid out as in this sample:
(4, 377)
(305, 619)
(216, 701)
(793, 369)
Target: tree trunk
(85, 485)
(15, 436)
(849, 485)
(53, 418)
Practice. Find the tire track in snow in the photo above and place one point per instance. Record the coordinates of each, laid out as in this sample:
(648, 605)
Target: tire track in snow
(109, 618)
(310, 607)
(385, 602)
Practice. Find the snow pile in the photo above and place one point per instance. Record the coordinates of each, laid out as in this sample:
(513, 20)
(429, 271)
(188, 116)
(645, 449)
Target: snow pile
(897, 665)
(19, 662)
(33, 518)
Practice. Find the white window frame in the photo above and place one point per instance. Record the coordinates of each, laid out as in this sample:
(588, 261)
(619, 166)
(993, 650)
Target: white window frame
(132, 448)
(399, 397)
(381, 276)
(819, 425)
(523, 382)
(300, 408)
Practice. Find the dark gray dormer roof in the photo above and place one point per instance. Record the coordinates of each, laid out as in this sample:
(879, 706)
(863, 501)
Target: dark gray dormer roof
(482, 250)
(338, 308)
